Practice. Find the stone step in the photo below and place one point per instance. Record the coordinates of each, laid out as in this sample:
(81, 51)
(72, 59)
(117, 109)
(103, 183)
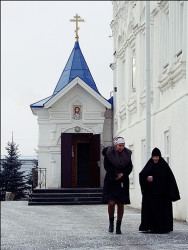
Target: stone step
(43, 195)
(65, 203)
(66, 199)
(69, 190)
(66, 196)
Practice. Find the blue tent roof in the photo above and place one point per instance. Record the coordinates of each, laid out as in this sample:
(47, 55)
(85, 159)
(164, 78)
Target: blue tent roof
(40, 103)
(111, 101)
(76, 66)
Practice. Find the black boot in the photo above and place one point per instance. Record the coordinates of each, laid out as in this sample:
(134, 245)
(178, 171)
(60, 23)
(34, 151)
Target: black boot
(118, 227)
(111, 225)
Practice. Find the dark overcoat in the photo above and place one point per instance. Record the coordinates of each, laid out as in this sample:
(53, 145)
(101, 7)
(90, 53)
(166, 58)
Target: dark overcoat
(117, 190)
(157, 197)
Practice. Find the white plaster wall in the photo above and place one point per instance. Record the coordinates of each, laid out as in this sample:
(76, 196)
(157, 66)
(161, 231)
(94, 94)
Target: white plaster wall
(44, 162)
(174, 119)
(55, 168)
(169, 89)
(169, 119)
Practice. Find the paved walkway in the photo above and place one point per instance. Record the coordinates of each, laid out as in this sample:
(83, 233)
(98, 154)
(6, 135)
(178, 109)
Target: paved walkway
(79, 227)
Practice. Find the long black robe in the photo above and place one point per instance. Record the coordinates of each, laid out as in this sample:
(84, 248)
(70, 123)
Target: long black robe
(117, 190)
(157, 197)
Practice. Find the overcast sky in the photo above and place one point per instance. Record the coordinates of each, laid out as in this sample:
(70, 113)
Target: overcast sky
(37, 39)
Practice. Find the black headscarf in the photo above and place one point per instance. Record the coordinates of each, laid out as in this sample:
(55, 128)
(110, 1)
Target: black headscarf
(156, 152)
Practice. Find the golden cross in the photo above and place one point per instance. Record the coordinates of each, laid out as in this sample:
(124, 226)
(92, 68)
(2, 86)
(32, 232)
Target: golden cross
(77, 19)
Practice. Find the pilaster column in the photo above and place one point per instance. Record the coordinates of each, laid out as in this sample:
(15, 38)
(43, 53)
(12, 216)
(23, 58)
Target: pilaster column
(53, 180)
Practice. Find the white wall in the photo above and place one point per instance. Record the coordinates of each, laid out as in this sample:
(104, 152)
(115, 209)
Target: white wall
(169, 87)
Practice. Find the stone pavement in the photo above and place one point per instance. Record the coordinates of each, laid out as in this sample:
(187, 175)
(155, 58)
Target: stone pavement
(79, 227)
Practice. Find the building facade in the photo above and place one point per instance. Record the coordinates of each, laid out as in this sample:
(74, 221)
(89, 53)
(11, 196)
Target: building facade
(169, 87)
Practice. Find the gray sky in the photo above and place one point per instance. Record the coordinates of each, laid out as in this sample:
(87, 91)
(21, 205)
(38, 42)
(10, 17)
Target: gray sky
(37, 38)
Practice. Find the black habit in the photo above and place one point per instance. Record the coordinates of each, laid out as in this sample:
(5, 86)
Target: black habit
(117, 190)
(157, 197)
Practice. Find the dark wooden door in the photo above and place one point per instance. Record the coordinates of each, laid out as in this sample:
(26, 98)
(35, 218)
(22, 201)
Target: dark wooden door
(81, 160)
(80, 155)
(95, 169)
(66, 160)
(83, 164)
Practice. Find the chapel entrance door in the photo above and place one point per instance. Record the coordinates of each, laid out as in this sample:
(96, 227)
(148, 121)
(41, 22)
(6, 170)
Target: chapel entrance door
(83, 164)
(80, 156)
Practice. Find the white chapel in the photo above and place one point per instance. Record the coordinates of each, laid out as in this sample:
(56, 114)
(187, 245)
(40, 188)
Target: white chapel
(75, 123)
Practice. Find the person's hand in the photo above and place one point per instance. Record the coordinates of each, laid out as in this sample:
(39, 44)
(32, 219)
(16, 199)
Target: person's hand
(150, 178)
(120, 175)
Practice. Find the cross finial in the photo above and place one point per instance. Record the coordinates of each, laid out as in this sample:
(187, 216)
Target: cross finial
(77, 19)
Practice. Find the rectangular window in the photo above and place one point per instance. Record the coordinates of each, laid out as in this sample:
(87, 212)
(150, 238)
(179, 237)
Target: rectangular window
(178, 27)
(143, 62)
(143, 151)
(122, 92)
(166, 40)
(133, 71)
(167, 146)
(164, 37)
(181, 26)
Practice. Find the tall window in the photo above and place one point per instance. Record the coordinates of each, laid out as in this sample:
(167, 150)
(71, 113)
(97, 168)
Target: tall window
(143, 151)
(164, 37)
(133, 80)
(122, 81)
(178, 26)
(143, 62)
(167, 146)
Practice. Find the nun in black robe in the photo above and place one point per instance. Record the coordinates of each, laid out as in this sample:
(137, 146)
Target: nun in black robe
(159, 189)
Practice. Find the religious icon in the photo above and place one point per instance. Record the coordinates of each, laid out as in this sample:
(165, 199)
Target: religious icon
(77, 114)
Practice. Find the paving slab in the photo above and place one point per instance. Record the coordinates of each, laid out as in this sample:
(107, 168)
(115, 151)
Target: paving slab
(79, 227)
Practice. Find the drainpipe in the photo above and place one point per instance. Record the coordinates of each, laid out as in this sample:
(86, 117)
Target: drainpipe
(148, 87)
(113, 67)
(112, 127)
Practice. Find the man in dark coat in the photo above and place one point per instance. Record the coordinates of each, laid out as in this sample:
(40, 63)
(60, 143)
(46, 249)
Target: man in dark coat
(159, 189)
(118, 166)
